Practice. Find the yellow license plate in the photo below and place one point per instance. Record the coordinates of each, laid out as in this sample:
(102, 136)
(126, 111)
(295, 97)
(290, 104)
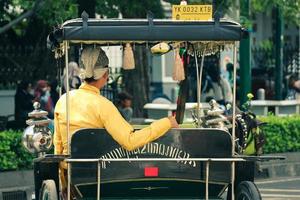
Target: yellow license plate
(192, 12)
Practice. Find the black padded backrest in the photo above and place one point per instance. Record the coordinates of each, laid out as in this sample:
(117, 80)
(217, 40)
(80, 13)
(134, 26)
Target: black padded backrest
(120, 179)
(214, 143)
(177, 143)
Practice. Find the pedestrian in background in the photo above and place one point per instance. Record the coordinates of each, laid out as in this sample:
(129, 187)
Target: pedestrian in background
(293, 87)
(124, 105)
(43, 96)
(23, 102)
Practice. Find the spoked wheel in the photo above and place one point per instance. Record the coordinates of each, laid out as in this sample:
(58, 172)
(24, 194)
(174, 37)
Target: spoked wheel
(48, 190)
(247, 190)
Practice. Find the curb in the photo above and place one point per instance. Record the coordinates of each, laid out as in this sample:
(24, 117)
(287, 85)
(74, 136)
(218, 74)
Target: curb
(16, 185)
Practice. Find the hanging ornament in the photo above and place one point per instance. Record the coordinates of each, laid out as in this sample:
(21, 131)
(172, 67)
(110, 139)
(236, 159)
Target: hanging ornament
(128, 58)
(178, 69)
(160, 48)
(183, 3)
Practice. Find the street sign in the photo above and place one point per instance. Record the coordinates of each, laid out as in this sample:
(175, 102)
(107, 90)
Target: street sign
(192, 12)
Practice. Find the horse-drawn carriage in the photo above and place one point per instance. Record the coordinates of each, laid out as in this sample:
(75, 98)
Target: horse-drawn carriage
(186, 163)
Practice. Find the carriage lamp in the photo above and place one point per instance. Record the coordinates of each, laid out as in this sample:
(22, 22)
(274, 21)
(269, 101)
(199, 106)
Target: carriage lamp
(37, 137)
(214, 117)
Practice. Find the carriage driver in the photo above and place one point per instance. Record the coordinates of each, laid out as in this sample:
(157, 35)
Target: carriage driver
(88, 109)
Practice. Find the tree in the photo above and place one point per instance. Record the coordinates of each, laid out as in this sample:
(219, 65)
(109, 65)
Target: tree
(17, 13)
(129, 8)
(25, 25)
(289, 8)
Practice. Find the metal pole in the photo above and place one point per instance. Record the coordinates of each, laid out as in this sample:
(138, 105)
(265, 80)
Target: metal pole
(206, 181)
(59, 77)
(69, 181)
(232, 180)
(198, 87)
(98, 181)
(199, 82)
(234, 98)
(66, 45)
(67, 95)
(245, 56)
(233, 119)
(279, 54)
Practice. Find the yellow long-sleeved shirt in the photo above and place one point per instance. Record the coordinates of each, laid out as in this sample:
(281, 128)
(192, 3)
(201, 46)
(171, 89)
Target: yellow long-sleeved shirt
(88, 109)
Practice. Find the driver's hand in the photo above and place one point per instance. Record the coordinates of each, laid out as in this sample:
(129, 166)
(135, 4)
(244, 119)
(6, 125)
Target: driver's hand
(173, 121)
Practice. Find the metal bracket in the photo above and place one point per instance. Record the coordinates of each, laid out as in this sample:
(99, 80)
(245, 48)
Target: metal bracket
(150, 17)
(85, 17)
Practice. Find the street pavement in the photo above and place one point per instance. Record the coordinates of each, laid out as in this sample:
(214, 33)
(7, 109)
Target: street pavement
(276, 189)
(283, 188)
(279, 188)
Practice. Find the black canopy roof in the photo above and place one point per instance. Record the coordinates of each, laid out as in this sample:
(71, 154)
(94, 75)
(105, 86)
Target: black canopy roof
(116, 30)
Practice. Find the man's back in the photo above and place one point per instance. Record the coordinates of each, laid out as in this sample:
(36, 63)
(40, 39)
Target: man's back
(86, 106)
(88, 109)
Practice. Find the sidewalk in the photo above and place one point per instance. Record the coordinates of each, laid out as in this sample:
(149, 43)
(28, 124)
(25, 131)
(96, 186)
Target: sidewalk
(290, 167)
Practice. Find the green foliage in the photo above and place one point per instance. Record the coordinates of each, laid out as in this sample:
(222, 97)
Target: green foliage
(54, 12)
(129, 8)
(51, 12)
(289, 8)
(13, 155)
(282, 134)
(266, 45)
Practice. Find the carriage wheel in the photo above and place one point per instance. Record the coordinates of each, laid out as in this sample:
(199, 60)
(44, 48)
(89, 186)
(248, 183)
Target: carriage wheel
(48, 190)
(247, 190)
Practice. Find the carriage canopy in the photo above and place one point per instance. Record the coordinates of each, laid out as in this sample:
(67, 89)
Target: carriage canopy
(84, 30)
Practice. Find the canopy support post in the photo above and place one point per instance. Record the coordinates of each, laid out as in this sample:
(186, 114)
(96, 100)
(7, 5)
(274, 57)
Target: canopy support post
(199, 82)
(233, 119)
(66, 46)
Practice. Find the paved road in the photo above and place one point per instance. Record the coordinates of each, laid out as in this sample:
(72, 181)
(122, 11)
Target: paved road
(280, 188)
(277, 189)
